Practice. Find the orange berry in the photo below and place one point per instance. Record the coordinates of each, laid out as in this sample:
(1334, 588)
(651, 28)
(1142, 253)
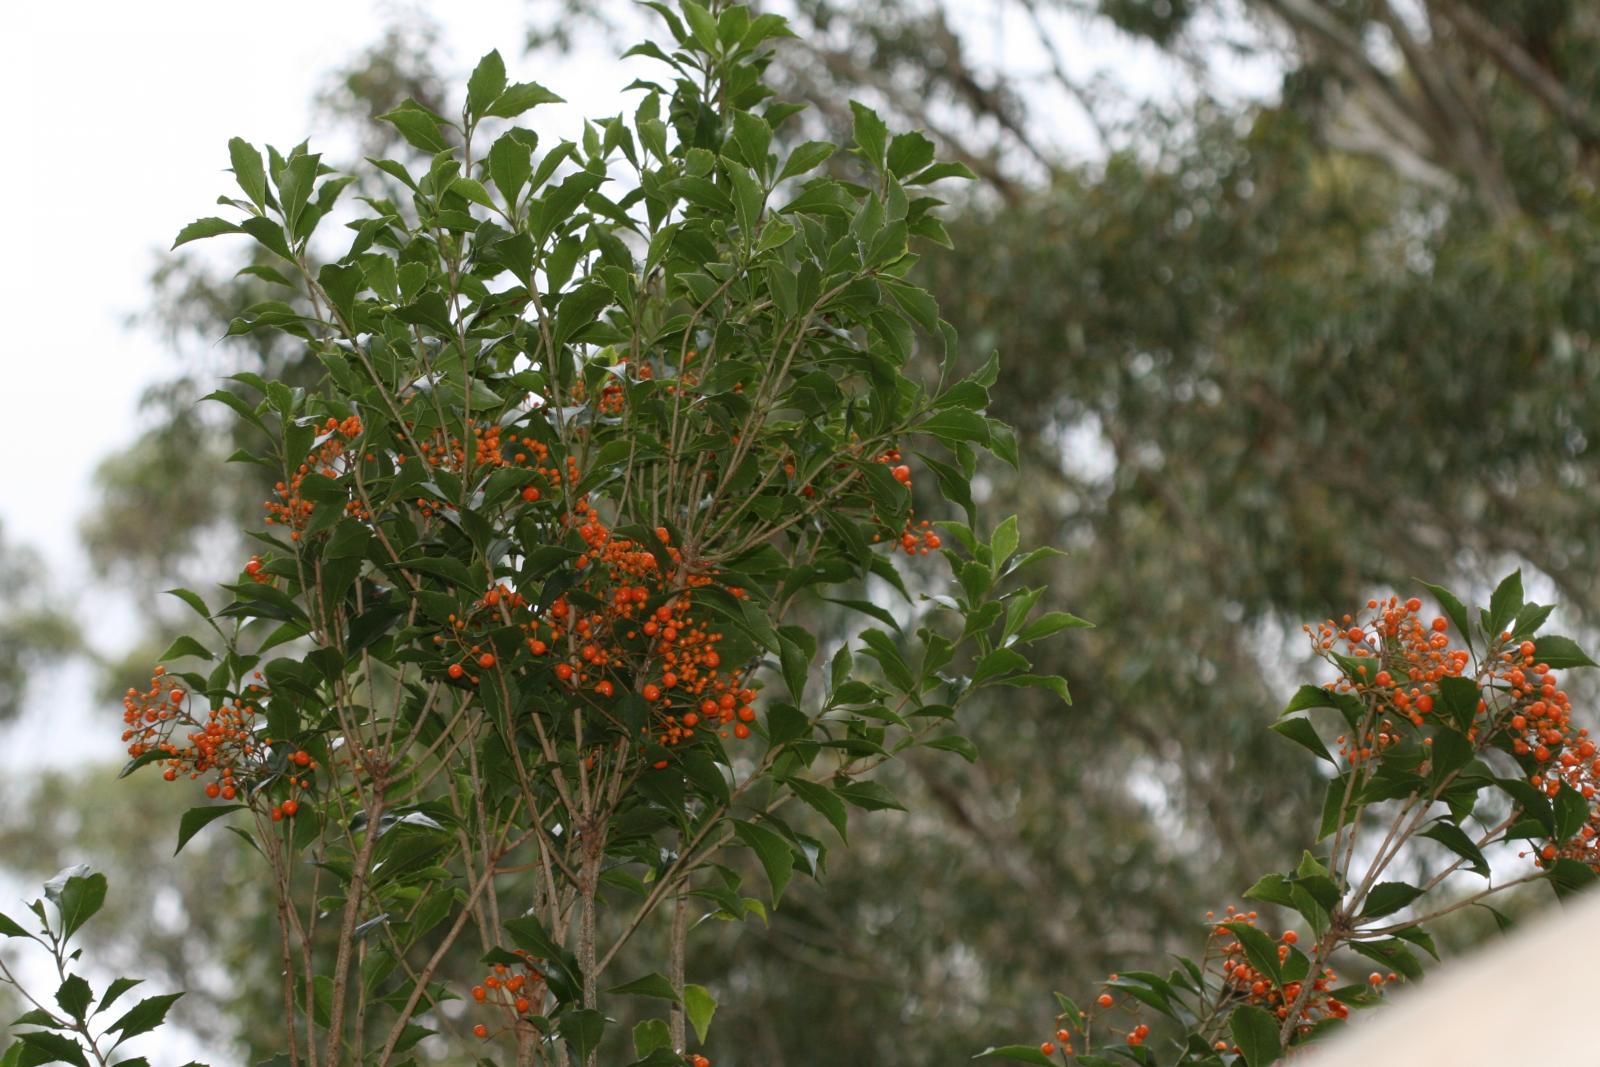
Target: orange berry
(1104, 1000)
(530, 494)
(456, 670)
(486, 660)
(480, 1030)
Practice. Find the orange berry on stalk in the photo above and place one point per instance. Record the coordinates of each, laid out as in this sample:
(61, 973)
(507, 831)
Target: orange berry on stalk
(456, 670)
(1290, 937)
(536, 646)
(605, 688)
(741, 731)
(522, 1003)
(479, 993)
(530, 494)
(652, 692)
(486, 660)
(1104, 1000)
(1063, 1036)
(480, 1030)
(564, 671)
(1441, 624)
(902, 474)
(290, 807)
(213, 790)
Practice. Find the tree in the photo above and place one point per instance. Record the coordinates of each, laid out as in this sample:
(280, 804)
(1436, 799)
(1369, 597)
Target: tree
(572, 462)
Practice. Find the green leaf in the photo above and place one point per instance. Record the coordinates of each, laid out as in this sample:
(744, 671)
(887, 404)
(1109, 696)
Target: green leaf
(196, 819)
(961, 746)
(185, 646)
(203, 228)
(1301, 732)
(1391, 953)
(823, 800)
(248, 170)
(871, 135)
(909, 153)
(1386, 898)
(487, 82)
(74, 996)
(144, 1016)
(77, 894)
(521, 97)
(1052, 622)
(1504, 603)
(1315, 696)
(116, 989)
(650, 1035)
(1273, 889)
(10, 928)
(1456, 840)
(1256, 1033)
(1461, 698)
(1453, 609)
(54, 1047)
(777, 858)
(342, 282)
(1261, 950)
(807, 157)
(1560, 652)
(1019, 1053)
(1571, 810)
(956, 424)
(1570, 876)
(582, 1031)
(418, 126)
(702, 24)
(1053, 682)
(510, 165)
(651, 985)
(700, 1006)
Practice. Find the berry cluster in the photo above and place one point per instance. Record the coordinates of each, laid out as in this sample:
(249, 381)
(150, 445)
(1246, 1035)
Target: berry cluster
(1252, 986)
(517, 994)
(1524, 709)
(291, 508)
(914, 538)
(161, 722)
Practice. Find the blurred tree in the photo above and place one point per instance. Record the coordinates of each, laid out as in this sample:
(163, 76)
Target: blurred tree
(33, 625)
(1265, 357)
